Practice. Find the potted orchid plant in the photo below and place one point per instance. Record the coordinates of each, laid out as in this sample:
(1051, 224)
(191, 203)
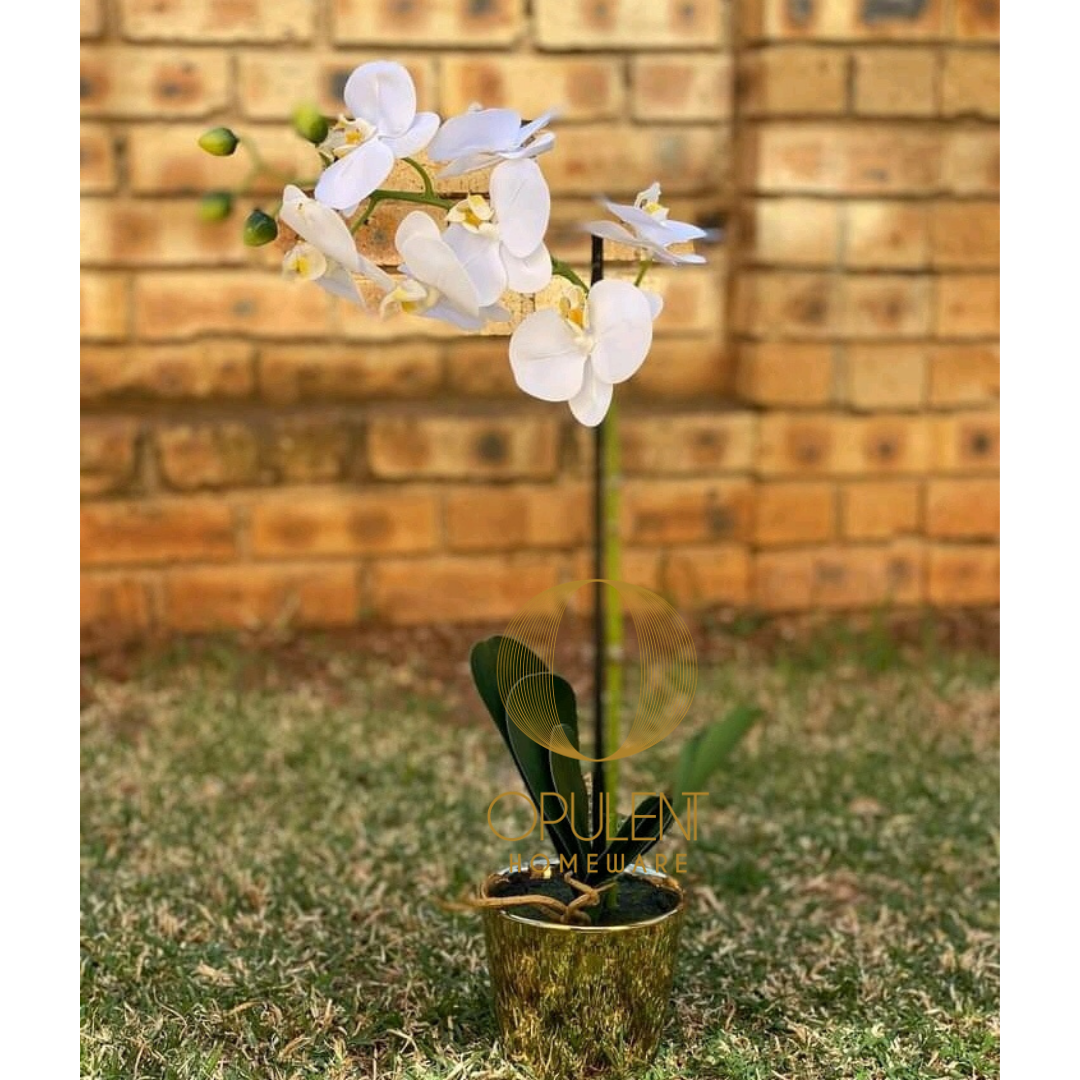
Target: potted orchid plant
(581, 956)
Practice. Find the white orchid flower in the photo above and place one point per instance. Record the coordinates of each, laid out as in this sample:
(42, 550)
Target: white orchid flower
(384, 126)
(651, 231)
(436, 285)
(578, 354)
(501, 243)
(326, 252)
(482, 137)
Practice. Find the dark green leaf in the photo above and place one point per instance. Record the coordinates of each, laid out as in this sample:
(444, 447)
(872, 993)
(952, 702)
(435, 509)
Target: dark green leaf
(623, 843)
(570, 784)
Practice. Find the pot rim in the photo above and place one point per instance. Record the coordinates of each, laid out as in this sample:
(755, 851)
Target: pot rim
(661, 880)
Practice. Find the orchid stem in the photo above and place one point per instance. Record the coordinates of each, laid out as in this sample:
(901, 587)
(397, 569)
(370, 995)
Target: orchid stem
(642, 270)
(380, 195)
(425, 176)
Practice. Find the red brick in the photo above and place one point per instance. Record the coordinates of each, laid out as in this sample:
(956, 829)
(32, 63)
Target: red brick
(782, 580)
(516, 518)
(971, 83)
(625, 24)
(857, 159)
(857, 577)
(965, 234)
(886, 306)
(964, 375)
(895, 82)
(690, 369)
(107, 455)
(166, 159)
(971, 162)
(686, 511)
(822, 444)
(103, 314)
(794, 513)
(271, 84)
(97, 159)
(480, 367)
(976, 20)
(967, 305)
(614, 159)
(126, 81)
(791, 375)
(966, 574)
(308, 449)
(165, 232)
(462, 448)
(963, 509)
(687, 443)
(291, 373)
(468, 589)
(682, 87)
(832, 20)
(795, 232)
(183, 304)
(120, 533)
(306, 524)
(886, 235)
(254, 597)
(207, 455)
(91, 18)
(793, 81)
(213, 20)
(786, 304)
(434, 22)
(209, 369)
(880, 509)
(584, 88)
(113, 603)
(886, 376)
(967, 443)
(698, 577)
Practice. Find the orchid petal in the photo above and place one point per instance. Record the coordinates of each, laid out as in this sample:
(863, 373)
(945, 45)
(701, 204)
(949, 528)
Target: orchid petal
(542, 142)
(620, 319)
(434, 264)
(681, 232)
(522, 203)
(374, 273)
(530, 129)
(417, 137)
(320, 226)
(591, 403)
(416, 224)
(473, 132)
(656, 303)
(446, 312)
(546, 356)
(608, 230)
(480, 257)
(338, 281)
(382, 93)
(356, 175)
(528, 275)
(469, 163)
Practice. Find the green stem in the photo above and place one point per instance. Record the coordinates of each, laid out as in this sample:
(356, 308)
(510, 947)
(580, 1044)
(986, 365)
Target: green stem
(613, 618)
(425, 176)
(642, 270)
(380, 195)
(561, 269)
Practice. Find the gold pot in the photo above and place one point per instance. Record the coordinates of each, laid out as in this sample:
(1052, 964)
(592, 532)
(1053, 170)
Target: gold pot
(579, 1001)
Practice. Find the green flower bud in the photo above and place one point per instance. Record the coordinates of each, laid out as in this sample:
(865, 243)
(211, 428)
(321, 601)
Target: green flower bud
(219, 141)
(215, 206)
(259, 229)
(310, 123)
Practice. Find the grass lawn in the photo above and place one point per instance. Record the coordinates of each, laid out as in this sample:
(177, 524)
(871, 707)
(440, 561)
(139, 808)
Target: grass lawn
(266, 845)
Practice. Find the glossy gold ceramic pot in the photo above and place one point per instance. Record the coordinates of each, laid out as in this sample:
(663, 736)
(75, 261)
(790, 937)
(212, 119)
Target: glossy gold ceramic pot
(581, 1001)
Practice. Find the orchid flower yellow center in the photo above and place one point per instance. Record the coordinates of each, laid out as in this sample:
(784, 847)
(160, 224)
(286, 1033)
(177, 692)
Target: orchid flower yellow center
(305, 262)
(475, 214)
(410, 296)
(649, 201)
(347, 135)
(575, 315)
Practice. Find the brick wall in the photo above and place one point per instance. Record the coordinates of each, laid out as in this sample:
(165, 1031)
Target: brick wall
(816, 425)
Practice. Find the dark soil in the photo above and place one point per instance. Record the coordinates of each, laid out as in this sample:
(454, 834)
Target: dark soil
(634, 899)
